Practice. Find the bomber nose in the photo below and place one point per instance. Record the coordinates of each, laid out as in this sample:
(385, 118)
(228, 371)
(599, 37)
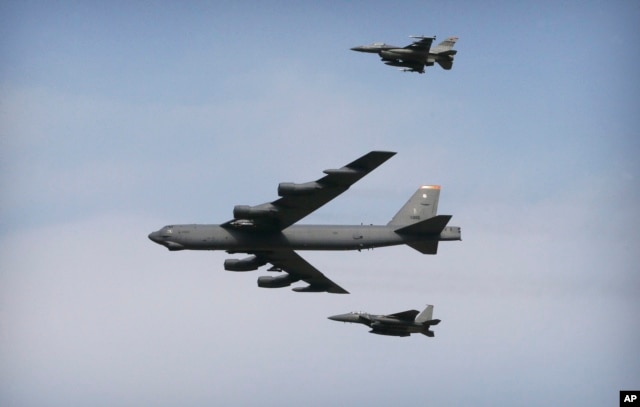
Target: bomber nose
(155, 237)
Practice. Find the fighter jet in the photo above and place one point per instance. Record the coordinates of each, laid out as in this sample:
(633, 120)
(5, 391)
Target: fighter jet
(400, 324)
(414, 57)
(267, 232)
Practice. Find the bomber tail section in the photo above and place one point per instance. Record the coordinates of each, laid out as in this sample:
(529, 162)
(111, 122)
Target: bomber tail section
(422, 205)
(432, 226)
(417, 220)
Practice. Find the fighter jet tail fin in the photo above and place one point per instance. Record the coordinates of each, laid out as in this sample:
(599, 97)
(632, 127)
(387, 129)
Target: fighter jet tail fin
(422, 205)
(425, 318)
(446, 64)
(425, 315)
(444, 46)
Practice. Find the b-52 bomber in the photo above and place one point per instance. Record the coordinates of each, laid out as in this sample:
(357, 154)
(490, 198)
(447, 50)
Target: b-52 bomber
(414, 57)
(267, 232)
(400, 324)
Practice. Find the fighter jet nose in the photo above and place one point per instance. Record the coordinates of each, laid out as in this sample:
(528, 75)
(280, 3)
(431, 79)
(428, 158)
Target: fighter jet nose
(343, 318)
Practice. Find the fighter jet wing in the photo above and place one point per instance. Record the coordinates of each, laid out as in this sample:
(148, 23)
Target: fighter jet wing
(299, 200)
(422, 44)
(405, 315)
(298, 268)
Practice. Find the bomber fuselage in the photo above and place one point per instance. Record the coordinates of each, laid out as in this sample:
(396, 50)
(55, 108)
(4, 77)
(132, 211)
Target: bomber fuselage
(296, 237)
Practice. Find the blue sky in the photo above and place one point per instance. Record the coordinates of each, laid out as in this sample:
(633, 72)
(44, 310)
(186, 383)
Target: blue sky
(118, 118)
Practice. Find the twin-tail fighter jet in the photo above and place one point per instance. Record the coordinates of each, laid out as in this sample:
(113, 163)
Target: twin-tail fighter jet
(267, 232)
(401, 324)
(414, 57)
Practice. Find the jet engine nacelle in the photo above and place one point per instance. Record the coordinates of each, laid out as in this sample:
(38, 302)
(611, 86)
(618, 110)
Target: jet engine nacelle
(247, 264)
(276, 282)
(290, 188)
(252, 212)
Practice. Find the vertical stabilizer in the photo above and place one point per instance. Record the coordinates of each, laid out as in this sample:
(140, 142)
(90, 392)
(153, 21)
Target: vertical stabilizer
(426, 315)
(444, 46)
(422, 205)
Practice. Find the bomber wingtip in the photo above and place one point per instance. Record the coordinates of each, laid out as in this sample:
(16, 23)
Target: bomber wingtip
(386, 152)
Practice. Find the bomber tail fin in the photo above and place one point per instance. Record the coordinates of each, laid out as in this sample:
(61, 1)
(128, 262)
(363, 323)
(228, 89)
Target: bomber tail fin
(423, 204)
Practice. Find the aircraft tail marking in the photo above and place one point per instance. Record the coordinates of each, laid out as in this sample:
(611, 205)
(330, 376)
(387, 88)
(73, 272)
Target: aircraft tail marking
(444, 46)
(422, 205)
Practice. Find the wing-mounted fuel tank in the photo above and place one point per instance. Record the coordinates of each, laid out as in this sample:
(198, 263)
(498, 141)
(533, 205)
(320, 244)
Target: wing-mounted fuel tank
(276, 282)
(247, 264)
(290, 188)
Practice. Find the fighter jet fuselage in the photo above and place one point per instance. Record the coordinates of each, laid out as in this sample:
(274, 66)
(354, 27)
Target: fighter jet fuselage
(400, 324)
(414, 57)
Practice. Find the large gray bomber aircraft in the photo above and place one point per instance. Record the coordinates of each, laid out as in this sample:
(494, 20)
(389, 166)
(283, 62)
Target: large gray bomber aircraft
(414, 57)
(400, 324)
(267, 231)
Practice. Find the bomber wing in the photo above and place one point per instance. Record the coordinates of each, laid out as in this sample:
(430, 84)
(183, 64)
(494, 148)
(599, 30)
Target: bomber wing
(299, 200)
(297, 269)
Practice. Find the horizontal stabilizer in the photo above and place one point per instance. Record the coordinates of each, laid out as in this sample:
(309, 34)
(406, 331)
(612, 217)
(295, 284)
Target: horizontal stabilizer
(427, 247)
(446, 64)
(431, 226)
(320, 289)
